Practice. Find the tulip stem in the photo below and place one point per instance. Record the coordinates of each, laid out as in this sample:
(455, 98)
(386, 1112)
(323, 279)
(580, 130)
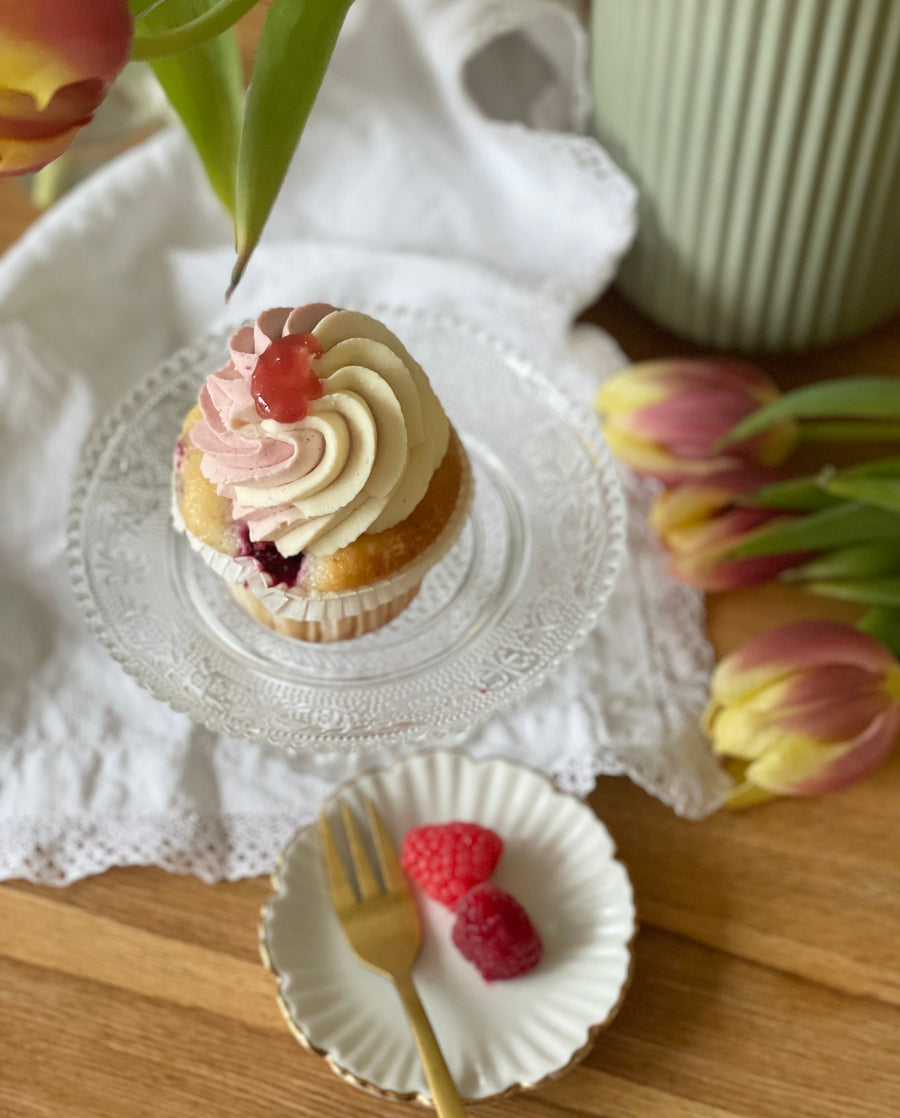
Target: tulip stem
(848, 429)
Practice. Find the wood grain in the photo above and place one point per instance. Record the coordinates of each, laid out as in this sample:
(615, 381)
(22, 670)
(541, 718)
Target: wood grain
(767, 977)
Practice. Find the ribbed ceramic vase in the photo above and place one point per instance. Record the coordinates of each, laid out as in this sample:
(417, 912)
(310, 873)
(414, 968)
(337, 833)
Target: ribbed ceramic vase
(764, 136)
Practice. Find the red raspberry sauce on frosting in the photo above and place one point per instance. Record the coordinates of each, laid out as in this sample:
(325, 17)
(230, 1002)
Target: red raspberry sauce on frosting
(283, 381)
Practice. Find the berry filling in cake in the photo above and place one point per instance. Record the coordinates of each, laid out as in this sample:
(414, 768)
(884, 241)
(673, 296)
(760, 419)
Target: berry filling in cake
(284, 570)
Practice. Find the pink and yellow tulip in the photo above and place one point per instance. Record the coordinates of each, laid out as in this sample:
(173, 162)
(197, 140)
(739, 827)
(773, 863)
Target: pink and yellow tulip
(664, 418)
(58, 59)
(700, 523)
(804, 709)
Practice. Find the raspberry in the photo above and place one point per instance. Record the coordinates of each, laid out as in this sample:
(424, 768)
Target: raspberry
(447, 859)
(493, 931)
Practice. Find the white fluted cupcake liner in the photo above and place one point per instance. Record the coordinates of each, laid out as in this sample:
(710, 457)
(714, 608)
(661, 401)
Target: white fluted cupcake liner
(321, 632)
(292, 603)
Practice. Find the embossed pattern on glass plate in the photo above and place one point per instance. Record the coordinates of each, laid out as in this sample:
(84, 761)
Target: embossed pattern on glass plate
(522, 587)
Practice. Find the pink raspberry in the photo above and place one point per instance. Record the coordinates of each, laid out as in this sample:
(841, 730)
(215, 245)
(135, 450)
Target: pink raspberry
(493, 931)
(447, 859)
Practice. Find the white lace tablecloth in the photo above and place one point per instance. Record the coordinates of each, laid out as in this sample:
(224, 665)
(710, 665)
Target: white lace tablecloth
(441, 168)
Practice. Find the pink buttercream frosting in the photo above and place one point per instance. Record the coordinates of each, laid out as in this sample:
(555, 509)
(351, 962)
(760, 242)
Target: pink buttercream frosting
(359, 459)
(236, 448)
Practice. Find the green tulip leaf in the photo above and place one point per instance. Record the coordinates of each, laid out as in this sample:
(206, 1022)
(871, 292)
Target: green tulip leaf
(295, 47)
(841, 525)
(883, 492)
(205, 87)
(801, 494)
(873, 398)
(877, 467)
(866, 560)
(804, 494)
(883, 624)
(867, 591)
(164, 27)
(847, 430)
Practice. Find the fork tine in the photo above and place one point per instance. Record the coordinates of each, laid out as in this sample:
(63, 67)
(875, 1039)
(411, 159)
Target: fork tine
(365, 876)
(391, 872)
(342, 895)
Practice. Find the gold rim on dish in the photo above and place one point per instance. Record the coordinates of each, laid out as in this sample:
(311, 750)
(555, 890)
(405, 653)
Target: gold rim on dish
(357, 1081)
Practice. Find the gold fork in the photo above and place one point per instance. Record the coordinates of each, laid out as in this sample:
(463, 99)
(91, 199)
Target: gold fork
(384, 931)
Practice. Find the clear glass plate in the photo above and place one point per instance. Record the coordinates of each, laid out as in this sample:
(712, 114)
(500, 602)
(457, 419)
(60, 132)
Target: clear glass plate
(520, 590)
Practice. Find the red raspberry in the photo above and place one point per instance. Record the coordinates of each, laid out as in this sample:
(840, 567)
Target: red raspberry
(493, 931)
(447, 859)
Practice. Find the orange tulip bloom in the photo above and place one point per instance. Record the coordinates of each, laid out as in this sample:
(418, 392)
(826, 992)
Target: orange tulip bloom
(58, 59)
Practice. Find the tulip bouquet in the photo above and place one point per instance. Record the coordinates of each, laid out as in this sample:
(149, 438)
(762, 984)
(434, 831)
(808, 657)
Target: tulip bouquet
(810, 707)
(58, 59)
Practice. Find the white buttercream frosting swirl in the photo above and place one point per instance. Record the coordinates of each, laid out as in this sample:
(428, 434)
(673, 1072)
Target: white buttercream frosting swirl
(359, 461)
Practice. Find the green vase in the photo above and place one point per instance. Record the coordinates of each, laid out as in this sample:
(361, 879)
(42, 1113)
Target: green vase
(764, 137)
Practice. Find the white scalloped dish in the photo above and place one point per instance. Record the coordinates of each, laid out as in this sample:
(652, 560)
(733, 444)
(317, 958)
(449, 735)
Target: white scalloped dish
(558, 861)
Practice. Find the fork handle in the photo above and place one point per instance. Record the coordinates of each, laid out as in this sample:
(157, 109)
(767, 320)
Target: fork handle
(444, 1094)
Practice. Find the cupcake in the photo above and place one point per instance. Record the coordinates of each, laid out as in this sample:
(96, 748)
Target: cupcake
(318, 474)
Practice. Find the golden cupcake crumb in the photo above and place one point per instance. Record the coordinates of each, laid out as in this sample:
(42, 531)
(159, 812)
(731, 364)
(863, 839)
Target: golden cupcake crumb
(206, 515)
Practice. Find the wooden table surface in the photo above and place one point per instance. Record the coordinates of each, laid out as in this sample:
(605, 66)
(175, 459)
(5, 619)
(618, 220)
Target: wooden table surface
(767, 978)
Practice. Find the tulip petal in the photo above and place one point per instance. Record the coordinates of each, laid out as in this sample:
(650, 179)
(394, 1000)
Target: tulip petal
(653, 461)
(19, 157)
(630, 389)
(714, 576)
(720, 533)
(684, 409)
(827, 705)
(687, 505)
(647, 382)
(692, 501)
(745, 794)
(693, 419)
(20, 118)
(57, 58)
(737, 732)
(751, 736)
(779, 652)
(48, 44)
(799, 768)
(701, 554)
